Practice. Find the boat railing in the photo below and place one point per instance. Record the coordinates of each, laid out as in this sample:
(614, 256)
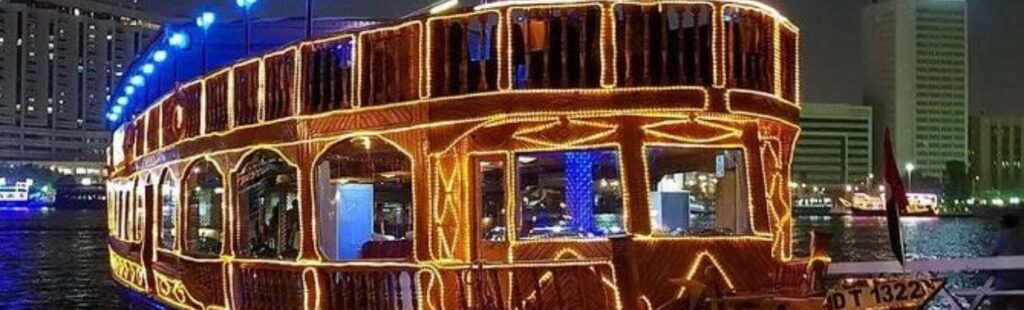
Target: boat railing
(549, 285)
(370, 287)
(930, 268)
(270, 286)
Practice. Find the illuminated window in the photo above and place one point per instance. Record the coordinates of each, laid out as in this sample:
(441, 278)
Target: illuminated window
(697, 191)
(139, 211)
(569, 194)
(491, 199)
(168, 211)
(364, 197)
(268, 206)
(203, 200)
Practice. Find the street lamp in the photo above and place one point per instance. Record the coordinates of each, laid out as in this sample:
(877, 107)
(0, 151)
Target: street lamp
(910, 175)
(204, 21)
(246, 6)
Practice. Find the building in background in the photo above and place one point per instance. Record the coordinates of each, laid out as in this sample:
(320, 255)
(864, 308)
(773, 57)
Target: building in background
(916, 80)
(997, 153)
(835, 144)
(59, 63)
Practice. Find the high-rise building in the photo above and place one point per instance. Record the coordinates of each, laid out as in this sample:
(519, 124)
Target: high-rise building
(997, 153)
(835, 144)
(917, 80)
(59, 62)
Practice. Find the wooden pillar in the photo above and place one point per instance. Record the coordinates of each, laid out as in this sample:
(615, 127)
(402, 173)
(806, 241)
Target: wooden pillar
(504, 46)
(312, 280)
(626, 273)
(421, 204)
(638, 205)
(307, 237)
(607, 40)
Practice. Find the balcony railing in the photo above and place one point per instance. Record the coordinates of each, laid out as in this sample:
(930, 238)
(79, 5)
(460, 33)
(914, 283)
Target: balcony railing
(571, 46)
(356, 287)
(270, 287)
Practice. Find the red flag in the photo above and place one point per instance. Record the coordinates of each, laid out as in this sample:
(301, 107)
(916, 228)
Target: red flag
(892, 174)
(897, 200)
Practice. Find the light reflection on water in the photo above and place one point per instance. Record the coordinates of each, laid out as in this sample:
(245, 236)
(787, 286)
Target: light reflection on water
(867, 238)
(57, 259)
(52, 259)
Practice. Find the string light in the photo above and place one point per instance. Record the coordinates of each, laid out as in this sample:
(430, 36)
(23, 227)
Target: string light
(446, 166)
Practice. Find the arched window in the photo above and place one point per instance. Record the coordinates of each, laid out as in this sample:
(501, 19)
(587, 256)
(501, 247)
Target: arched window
(203, 200)
(268, 204)
(168, 211)
(364, 195)
(139, 210)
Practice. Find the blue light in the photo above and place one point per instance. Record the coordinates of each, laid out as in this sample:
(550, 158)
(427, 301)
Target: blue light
(178, 39)
(148, 68)
(116, 109)
(122, 100)
(579, 189)
(245, 4)
(113, 117)
(206, 20)
(159, 56)
(129, 90)
(137, 80)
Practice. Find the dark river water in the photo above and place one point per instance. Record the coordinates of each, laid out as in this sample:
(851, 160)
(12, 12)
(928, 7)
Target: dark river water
(57, 259)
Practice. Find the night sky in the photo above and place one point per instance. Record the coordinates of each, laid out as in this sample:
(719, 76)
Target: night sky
(831, 41)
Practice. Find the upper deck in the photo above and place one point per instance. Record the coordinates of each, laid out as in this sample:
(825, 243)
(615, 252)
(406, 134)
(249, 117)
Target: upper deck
(501, 58)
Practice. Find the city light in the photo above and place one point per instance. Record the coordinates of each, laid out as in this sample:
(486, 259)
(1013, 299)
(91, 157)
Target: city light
(148, 69)
(159, 56)
(122, 101)
(245, 4)
(178, 39)
(137, 80)
(129, 90)
(205, 20)
(112, 117)
(910, 167)
(116, 109)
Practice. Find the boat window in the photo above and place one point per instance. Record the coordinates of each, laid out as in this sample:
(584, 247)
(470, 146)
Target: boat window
(139, 211)
(491, 199)
(697, 191)
(268, 206)
(364, 199)
(576, 194)
(205, 192)
(168, 211)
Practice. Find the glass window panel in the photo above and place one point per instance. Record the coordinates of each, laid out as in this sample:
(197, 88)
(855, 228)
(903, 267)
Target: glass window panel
(168, 212)
(269, 206)
(698, 191)
(574, 194)
(364, 197)
(203, 200)
(491, 188)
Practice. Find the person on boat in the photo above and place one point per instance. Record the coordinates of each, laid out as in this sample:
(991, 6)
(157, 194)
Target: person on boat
(1010, 242)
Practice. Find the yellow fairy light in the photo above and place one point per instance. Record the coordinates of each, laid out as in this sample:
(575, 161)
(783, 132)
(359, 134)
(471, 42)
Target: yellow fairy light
(442, 172)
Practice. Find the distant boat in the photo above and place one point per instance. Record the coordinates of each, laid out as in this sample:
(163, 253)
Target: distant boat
(921, 204)
(17, 194)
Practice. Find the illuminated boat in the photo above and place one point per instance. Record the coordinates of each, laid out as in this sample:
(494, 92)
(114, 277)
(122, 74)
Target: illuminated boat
(863, 204)
(513, 155)
(16, 194)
